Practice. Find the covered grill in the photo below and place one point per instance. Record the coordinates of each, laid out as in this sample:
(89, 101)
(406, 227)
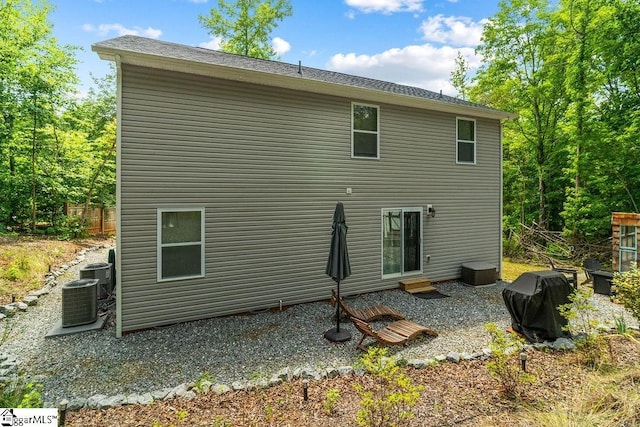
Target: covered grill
(533, 299)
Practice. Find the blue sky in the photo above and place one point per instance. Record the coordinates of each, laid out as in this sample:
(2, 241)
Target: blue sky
(413, 42)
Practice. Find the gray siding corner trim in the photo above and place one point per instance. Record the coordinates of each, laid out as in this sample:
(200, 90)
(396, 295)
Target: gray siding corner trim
(118, 196)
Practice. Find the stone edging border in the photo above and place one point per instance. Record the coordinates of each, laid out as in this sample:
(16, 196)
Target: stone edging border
(191, 390)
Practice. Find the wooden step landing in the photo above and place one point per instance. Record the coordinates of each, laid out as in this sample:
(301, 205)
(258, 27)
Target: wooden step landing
(416, 285)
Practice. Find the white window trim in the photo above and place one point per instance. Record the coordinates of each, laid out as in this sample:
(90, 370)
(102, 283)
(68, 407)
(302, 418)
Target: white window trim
(628, 249)
(474, 142)
(402, 211)
(377, 133)
(160, 245)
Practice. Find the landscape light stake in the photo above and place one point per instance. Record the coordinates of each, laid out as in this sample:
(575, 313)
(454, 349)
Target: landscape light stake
(523, 361)
(305, 390)
(62, 412)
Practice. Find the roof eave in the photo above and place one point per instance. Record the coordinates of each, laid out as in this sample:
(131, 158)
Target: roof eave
(293, 82)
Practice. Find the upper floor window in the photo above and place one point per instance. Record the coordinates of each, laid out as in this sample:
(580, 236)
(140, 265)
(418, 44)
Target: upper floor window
(465, 141)
(365, 131)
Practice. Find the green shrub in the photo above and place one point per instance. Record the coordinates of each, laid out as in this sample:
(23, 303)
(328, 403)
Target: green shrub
(504, 364)
(19, 394)
(71, 227)
(621, 325)
(511, 248)
(580, 314)
(583, 325)
(389, 400)
(626, 287)
(330, 401)
(203, 383)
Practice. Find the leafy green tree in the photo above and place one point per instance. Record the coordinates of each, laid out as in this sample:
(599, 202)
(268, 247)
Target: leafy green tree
(48, 75)
(585, 214)
(94, 118)
(524, 73)
(459, 76)
(602, 80)
(245, 25)
(569, 70)
(618, 154)
(37, 75)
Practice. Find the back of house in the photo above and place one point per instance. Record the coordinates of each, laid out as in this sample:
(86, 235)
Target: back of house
(229, 169)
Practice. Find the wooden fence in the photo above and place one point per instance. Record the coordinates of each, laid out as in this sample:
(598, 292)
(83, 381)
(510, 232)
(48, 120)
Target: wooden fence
(99, 220)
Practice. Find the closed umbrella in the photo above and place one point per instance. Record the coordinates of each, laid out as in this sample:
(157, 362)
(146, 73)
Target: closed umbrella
(338, 267)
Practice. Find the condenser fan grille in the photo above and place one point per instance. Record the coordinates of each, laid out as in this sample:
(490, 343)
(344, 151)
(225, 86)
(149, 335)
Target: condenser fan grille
(79, 302)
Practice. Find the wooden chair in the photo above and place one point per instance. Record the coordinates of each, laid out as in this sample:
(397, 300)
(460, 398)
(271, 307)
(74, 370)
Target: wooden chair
(590, 265)
(397, 333)
(367, 314)
(570, 273)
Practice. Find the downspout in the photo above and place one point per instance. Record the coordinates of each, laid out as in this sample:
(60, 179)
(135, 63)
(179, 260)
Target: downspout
(118, 196)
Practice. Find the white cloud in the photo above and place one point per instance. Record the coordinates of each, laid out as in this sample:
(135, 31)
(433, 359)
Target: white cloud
(281, 46)
(386, 6)
(427, 65)
(213, 43)
(121, 30)
(456, 30)
(424, 66)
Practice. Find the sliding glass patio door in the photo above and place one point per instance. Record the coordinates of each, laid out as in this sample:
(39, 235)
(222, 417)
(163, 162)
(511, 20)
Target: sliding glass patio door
(401, 241)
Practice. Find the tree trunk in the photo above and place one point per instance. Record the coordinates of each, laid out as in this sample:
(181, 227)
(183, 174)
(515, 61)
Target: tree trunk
(34, 143)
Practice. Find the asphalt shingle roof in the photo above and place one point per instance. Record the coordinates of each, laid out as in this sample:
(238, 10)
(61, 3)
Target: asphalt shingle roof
(163, 49)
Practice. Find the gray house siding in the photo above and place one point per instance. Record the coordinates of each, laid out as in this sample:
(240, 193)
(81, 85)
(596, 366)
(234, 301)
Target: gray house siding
(268, 166)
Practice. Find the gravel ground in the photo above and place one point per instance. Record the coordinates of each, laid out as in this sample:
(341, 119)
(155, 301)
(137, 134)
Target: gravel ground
(242, 347)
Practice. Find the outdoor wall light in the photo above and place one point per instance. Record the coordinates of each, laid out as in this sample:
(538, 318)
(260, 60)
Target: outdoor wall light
(431, 211)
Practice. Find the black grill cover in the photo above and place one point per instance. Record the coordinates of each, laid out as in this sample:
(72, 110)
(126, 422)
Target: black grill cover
(532, 300)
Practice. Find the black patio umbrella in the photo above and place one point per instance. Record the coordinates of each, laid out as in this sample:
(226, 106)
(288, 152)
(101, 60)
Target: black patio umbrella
(338, 267)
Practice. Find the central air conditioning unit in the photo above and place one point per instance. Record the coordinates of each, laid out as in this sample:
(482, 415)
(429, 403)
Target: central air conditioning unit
(102, 272)
(79, 302)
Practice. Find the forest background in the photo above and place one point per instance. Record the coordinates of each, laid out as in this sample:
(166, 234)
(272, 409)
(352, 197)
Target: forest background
(568, 69)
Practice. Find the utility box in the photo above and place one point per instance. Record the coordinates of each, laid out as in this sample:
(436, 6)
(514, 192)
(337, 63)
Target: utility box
(478, 273)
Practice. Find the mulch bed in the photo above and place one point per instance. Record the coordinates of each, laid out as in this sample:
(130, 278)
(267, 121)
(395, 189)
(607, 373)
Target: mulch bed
(462, 394)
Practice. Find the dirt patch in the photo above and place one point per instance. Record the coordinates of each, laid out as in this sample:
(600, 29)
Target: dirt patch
(25, 260)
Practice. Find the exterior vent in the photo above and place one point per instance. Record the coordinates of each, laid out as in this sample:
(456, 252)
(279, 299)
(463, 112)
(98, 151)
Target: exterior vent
(102, 272)
(79, 302)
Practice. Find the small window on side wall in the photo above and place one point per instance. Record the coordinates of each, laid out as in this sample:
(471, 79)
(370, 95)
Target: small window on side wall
(365, 135)
(465, 141)
(180, 243)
